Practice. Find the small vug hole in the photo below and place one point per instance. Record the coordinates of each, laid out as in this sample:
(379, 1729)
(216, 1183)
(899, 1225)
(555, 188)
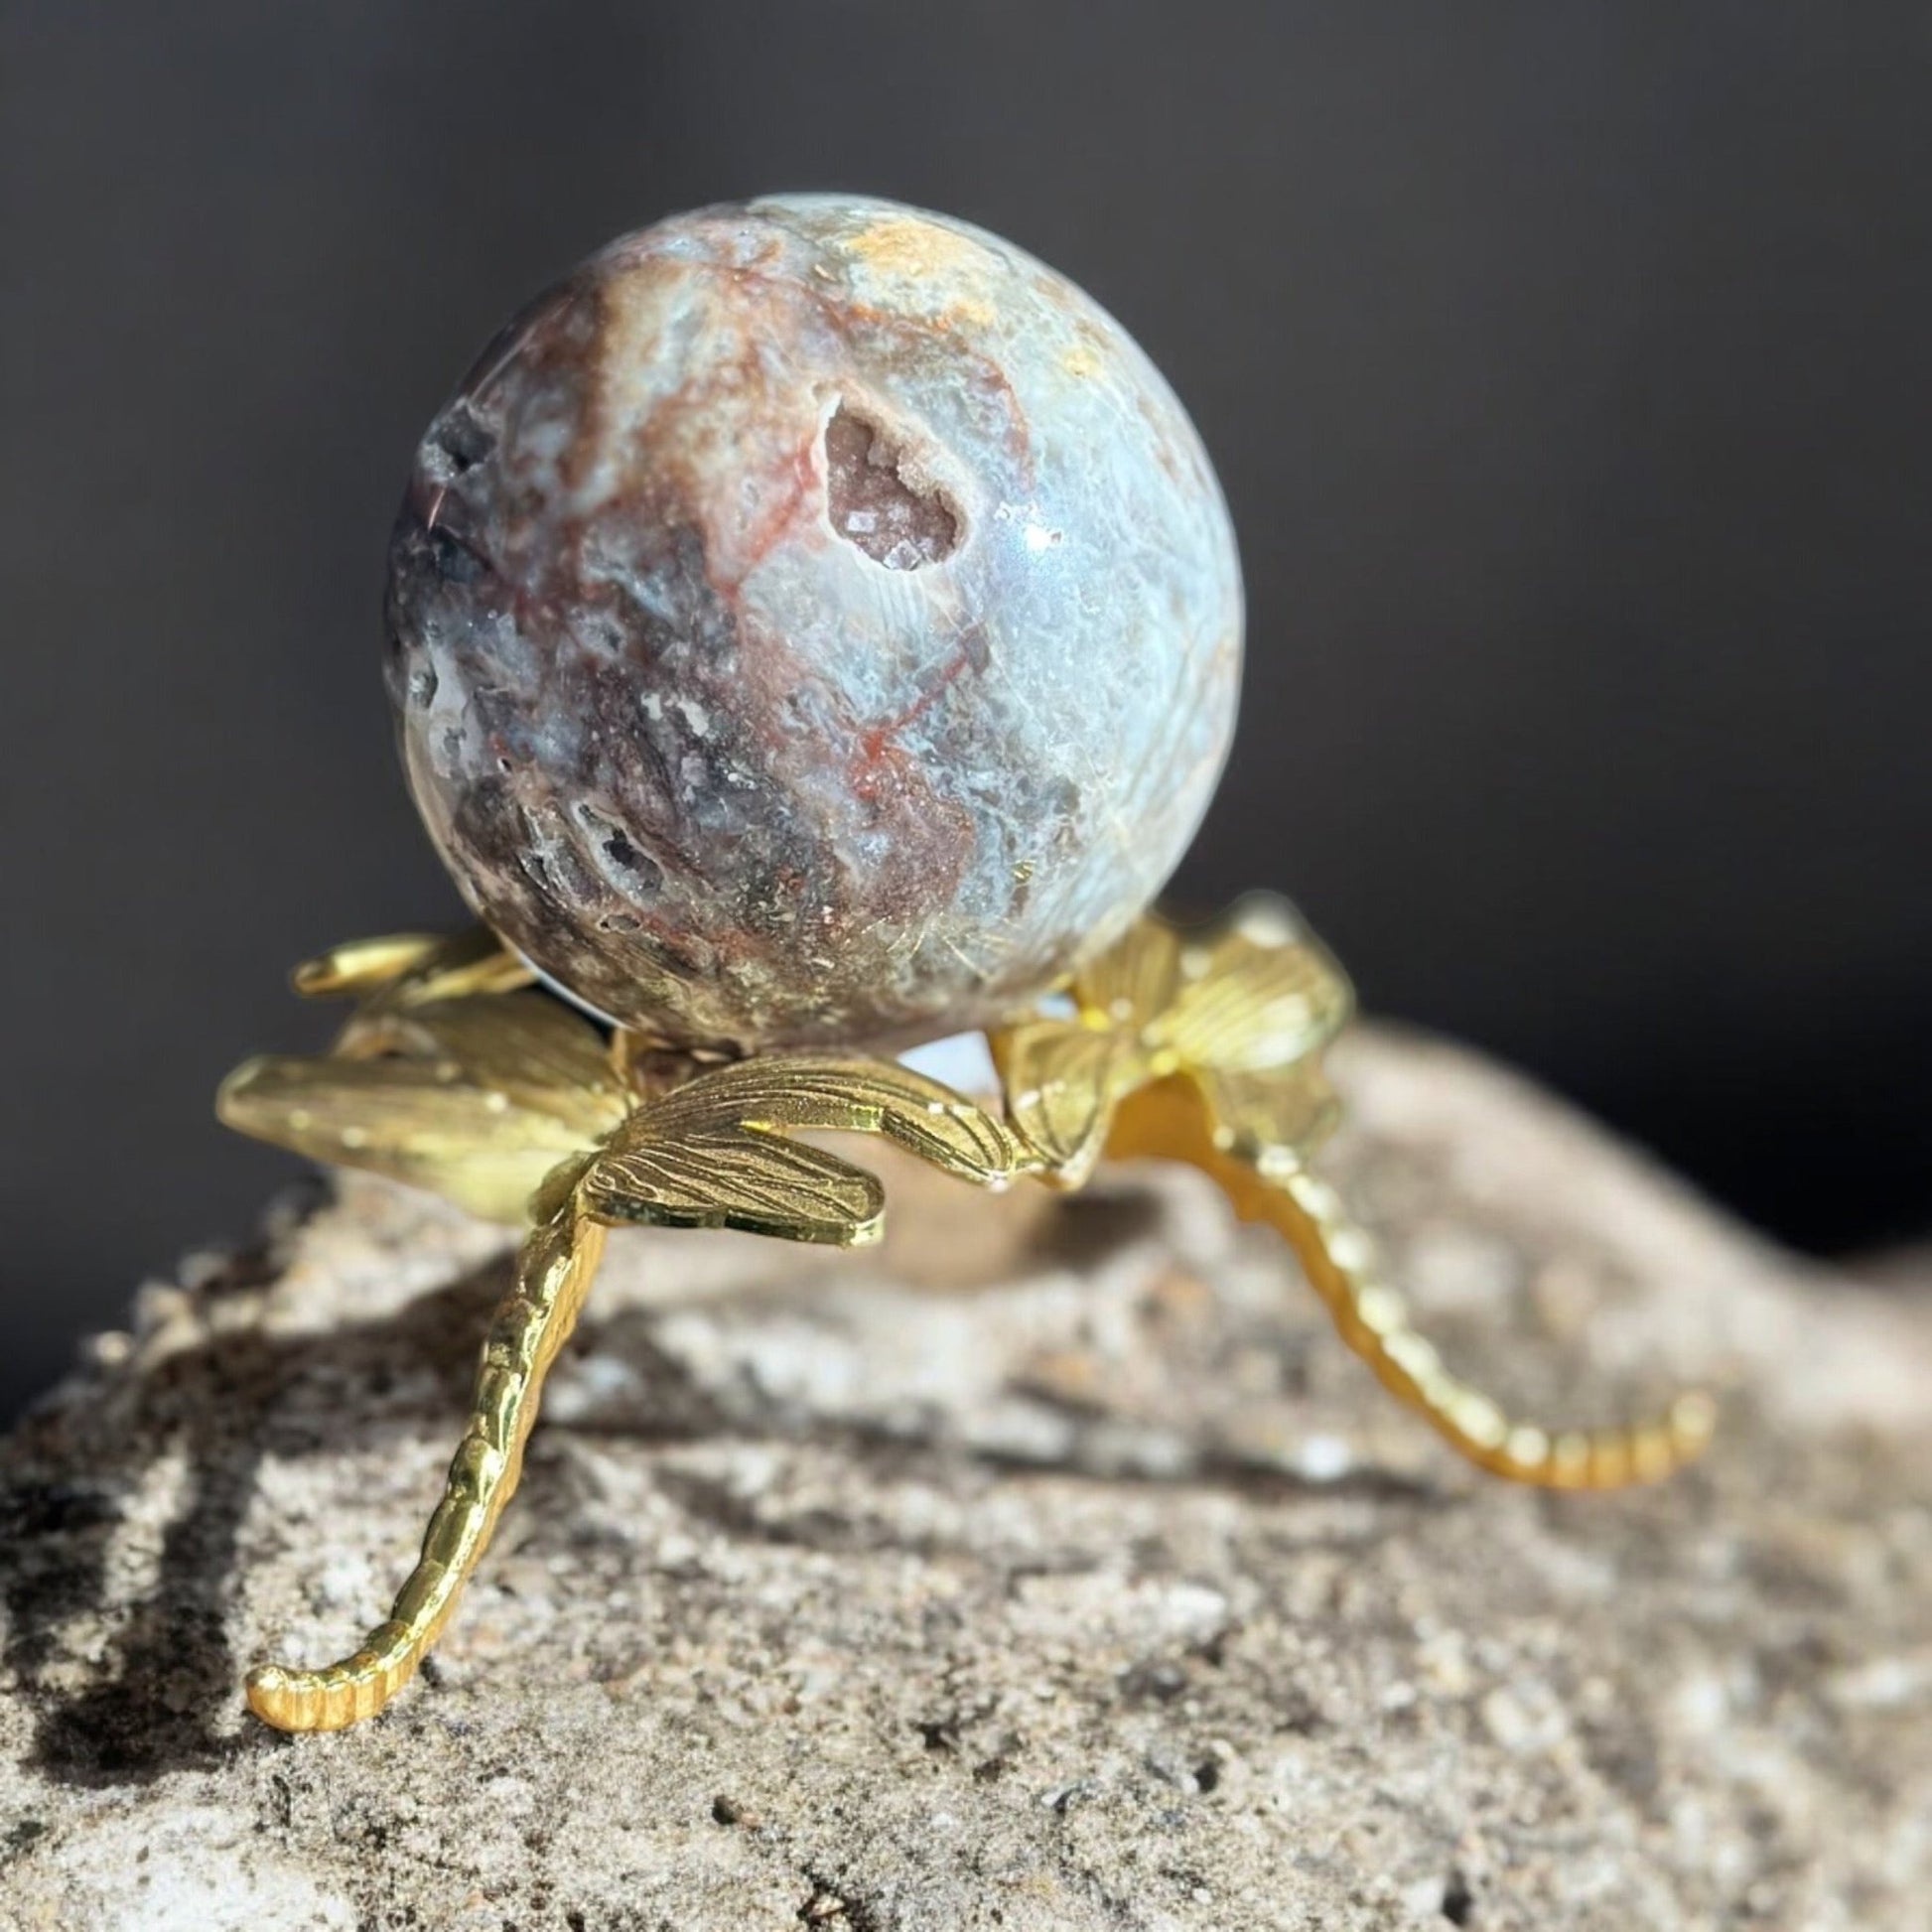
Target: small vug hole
(895, 522)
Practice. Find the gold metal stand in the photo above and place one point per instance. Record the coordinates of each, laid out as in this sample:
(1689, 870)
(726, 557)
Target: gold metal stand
(457, 1074)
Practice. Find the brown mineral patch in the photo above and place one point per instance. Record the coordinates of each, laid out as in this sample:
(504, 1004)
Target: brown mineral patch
(966, 314)
(635, 309)
(904, 245)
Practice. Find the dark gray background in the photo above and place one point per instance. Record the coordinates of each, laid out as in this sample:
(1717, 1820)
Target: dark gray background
(1567, 368)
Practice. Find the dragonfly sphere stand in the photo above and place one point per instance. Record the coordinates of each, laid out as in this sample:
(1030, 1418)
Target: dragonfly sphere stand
(815, 629)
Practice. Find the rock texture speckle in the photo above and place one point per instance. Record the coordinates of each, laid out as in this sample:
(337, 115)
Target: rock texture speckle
(1102, 1593)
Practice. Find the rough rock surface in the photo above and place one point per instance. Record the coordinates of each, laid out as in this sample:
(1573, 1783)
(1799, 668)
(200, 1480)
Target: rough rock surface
(1104, 1592)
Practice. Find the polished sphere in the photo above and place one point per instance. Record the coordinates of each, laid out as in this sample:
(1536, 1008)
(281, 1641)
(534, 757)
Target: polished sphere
(812, 622)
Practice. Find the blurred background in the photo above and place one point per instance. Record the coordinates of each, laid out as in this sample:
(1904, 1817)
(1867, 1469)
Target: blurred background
(1567, 366)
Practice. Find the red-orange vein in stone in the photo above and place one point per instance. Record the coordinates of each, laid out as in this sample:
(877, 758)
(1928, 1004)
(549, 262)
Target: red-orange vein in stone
(875, 742)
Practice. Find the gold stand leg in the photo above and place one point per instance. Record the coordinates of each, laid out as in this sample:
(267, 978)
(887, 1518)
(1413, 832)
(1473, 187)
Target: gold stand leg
(553, 1273)
(1167, 1118)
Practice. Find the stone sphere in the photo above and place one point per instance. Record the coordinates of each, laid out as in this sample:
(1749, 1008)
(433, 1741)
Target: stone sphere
(812, 622)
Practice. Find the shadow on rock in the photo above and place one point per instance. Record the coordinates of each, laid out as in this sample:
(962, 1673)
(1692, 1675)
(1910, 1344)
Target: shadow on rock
(74, 1474)
(162, 1685)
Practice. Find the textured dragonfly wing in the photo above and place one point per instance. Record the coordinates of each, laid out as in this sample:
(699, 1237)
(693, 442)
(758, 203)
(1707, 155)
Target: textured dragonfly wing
(1257, 990)
(719, 1151)
(404, 967)
(944, 1128)
(741, 1177)
(410, 1120)
(535, 1051)
(361, 967)
(784, 1092)
(1290, 1110)
(1135, 978)
(1061, 1080)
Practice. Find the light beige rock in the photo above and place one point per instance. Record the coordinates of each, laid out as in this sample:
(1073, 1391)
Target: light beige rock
(1106, 1593)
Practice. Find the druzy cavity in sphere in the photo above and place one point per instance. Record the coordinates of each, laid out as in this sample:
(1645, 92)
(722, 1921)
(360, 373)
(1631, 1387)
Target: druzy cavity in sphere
(812, 622)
